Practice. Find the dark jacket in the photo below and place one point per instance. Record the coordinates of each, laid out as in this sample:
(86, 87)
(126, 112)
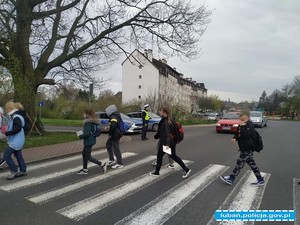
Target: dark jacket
(164, 130)
(244, 135)
(114, 127)
(89, 127)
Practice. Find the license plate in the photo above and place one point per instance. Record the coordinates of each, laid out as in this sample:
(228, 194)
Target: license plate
(226, 128)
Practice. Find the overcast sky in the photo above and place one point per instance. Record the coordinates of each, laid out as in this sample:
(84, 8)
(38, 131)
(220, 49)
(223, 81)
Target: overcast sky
(249, 46)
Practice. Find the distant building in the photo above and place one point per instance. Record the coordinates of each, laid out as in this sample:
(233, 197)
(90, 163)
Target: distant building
(144, 75)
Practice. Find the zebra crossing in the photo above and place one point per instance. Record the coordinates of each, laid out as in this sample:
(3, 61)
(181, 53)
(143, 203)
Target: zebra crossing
(158, 211)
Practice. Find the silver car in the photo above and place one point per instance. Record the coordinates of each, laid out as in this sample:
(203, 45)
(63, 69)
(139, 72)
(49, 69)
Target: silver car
(258, 119)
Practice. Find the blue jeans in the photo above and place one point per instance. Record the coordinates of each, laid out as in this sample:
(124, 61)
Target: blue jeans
(18, 154)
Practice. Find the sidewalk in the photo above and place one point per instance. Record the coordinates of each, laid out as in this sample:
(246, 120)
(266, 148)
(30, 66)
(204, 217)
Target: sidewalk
(58, 150)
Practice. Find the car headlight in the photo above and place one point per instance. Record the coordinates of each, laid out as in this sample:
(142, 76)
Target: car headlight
(235, 125)
(218, 125)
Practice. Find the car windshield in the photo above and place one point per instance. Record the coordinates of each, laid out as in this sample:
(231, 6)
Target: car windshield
(154, 116)
(125, 116)
(255, 114)
(231, 116)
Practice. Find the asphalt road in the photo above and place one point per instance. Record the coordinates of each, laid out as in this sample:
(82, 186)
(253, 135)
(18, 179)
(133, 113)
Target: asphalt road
(53, 194)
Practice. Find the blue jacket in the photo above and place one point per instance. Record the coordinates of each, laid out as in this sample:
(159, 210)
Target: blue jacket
(15, 132)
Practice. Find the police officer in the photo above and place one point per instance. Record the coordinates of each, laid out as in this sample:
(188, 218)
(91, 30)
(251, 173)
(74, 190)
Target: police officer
(145, 118)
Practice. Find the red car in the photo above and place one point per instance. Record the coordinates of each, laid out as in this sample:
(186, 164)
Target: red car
(229, 123)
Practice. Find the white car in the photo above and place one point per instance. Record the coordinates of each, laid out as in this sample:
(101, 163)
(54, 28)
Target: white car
(258, 119)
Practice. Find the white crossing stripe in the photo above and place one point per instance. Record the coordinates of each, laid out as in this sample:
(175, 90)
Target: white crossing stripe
(59, 192)
(296, 197)
(165, 206)
(102, 200)
(53, 162)
(47, 177)
(244, 196)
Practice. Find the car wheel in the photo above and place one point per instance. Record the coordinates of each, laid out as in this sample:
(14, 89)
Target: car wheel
(155, 127)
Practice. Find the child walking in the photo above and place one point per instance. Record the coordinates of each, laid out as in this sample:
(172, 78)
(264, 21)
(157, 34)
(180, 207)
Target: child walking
(244, 136)
(90, 123)
(166, 127)
(15, 139)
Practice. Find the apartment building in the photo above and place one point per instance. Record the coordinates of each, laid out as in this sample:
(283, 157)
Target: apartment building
(143, 75)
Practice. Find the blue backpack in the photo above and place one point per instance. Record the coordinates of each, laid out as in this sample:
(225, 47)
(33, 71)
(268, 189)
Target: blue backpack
(122, 126)
(97, 131)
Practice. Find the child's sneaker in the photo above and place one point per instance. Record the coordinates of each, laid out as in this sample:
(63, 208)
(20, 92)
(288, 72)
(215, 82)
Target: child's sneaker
(170, 166)
(227, 179)
(82, 172)
(111, 163)
(186, 173)
(117, 166)
(154, 173)
(259, 182)
(11, 176)
(104, 167)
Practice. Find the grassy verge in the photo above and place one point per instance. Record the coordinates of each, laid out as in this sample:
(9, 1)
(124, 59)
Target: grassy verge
(62, 122)
(195, 122)
(47, 139)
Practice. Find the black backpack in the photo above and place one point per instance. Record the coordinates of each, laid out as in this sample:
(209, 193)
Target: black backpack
(97, 131)
(257, 141)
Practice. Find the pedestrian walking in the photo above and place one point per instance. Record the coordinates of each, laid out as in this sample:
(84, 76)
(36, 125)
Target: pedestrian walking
(15, 139)
(115, 133)
(165, 131)
(89, 139)
(244, 137)
(145, 119)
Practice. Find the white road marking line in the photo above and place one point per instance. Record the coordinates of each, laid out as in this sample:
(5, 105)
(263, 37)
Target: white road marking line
(296, 197)
(47, 177)
(244, 196)
(165, 206)
(59, 192)
(111, 196)
(53, 162)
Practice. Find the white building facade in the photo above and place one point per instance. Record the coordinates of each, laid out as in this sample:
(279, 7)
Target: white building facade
(144, 76)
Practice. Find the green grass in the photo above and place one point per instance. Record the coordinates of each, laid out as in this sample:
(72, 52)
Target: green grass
(47, 139)
(62, 122)
(195, 122)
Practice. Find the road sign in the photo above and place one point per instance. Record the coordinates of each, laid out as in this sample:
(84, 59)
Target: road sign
(41, 104)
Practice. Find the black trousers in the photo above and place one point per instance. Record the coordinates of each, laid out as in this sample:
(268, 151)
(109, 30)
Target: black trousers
(87, 156)
(160, 155)
(144, 130)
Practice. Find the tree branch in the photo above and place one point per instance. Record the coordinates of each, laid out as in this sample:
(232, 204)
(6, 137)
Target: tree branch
(40, 15)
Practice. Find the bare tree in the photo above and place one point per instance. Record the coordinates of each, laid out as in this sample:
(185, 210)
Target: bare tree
(43, 41)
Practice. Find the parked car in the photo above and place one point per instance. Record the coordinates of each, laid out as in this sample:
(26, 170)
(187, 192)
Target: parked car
(258, 119)
(213, 116)
(229, 122)
(153, 122)
(131, 125)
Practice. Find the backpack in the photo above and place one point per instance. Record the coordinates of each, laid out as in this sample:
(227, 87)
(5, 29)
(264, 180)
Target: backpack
(28, 125)
(257, 141)
(4, 124)
(178, 133)
(97, 131)
(121, 126)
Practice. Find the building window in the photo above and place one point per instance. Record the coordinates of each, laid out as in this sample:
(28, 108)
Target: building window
(140, 86)
(140, 76)
(139, 97)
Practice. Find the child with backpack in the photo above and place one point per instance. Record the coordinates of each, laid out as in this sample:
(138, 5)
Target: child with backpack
(89, 134)
(168, 137)
(116, 131)
(245, 137)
